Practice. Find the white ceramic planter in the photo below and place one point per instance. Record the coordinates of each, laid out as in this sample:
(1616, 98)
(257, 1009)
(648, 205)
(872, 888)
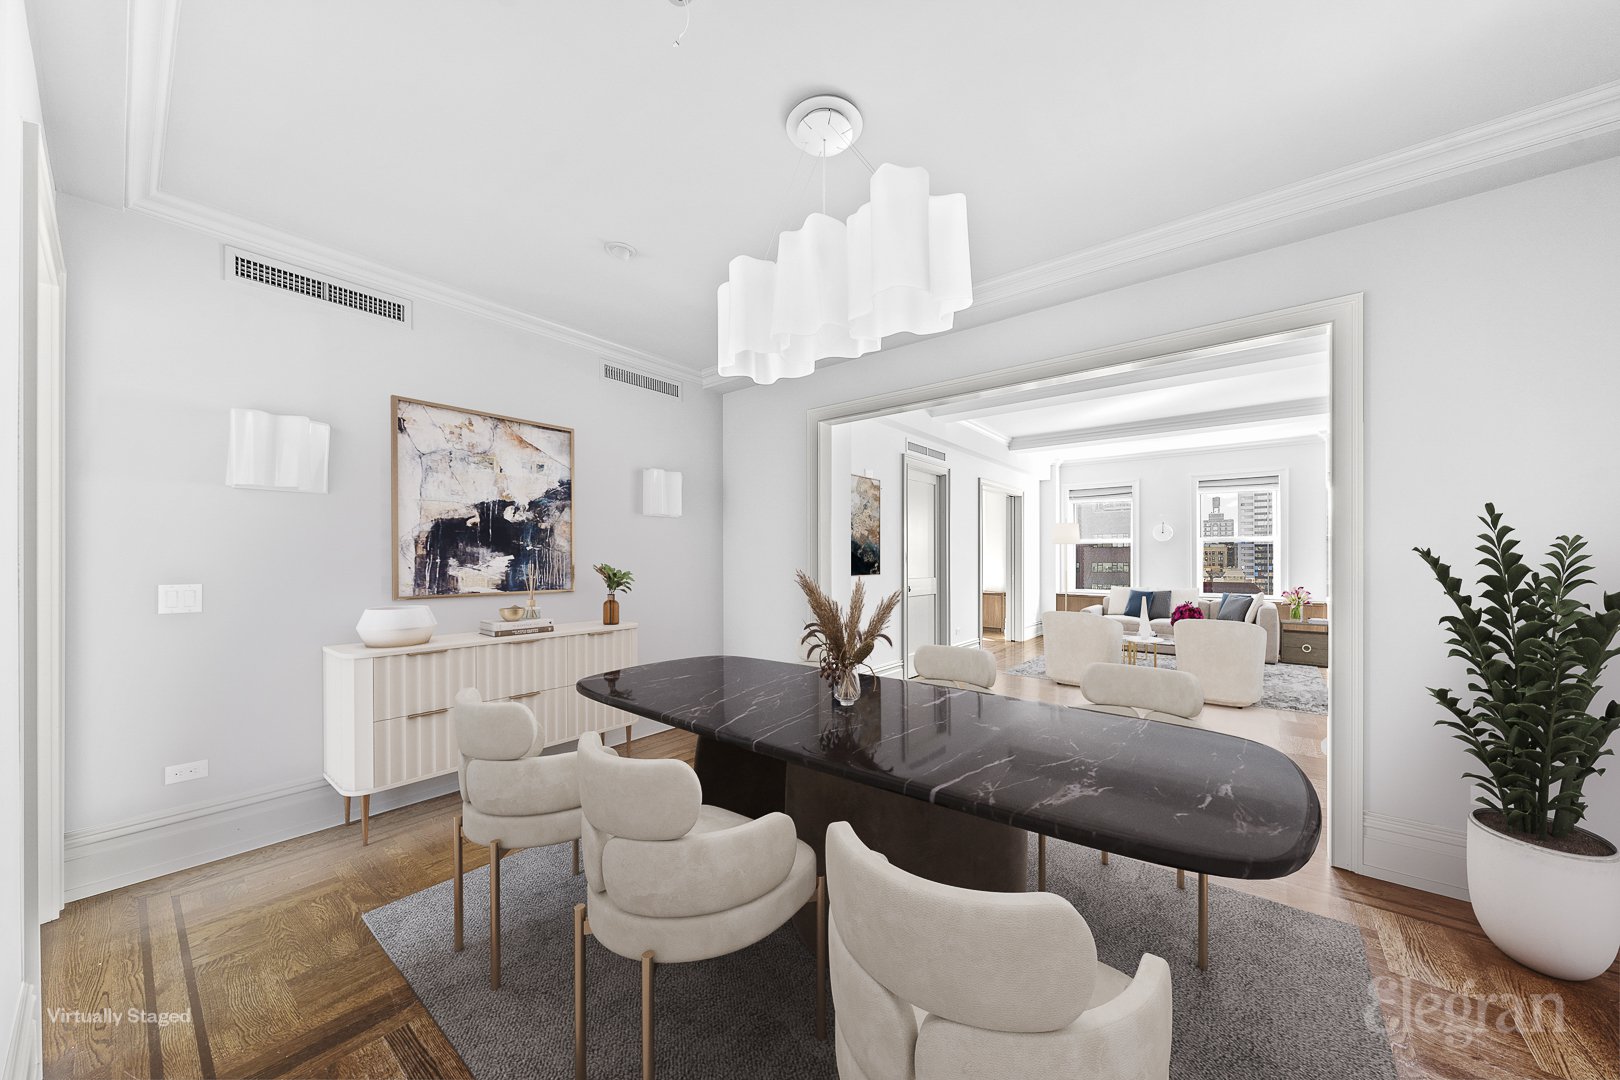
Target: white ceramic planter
(1551, 911)
(393, 628)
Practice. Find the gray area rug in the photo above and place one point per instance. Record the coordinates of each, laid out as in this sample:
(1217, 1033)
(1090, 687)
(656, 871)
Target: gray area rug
(1295, 687)
(1286, 994)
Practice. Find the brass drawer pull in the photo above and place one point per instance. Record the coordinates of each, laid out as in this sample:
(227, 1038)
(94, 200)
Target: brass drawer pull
(429, 712)
(530, 694)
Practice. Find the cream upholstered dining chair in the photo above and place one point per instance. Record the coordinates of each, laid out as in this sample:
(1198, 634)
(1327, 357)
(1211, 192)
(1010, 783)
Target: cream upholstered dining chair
(672, 880)
(955, 666)
(1229, 659)
(1166, 694)
(1077, 639)
(511, 797)
(931, 981)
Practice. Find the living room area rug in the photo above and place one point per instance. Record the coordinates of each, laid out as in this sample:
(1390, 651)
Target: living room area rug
(1287, 994)
(1293, 687)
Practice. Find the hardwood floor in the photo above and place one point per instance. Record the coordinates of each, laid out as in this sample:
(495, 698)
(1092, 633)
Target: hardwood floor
(267, 955)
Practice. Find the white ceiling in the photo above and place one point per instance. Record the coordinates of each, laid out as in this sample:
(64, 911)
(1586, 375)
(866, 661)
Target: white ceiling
(494, 146)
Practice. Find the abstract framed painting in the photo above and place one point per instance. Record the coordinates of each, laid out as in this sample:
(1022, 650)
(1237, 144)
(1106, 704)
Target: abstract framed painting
(865, 527)
(483, 503)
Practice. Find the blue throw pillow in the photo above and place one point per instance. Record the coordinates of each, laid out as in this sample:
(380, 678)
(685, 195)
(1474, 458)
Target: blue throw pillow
(1133, 605)
(1234, 607)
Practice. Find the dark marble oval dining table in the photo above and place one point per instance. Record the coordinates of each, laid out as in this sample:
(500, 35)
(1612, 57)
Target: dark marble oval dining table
(1179, 796)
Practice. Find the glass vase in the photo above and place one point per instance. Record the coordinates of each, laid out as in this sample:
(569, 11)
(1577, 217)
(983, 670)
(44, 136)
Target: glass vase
(847, 687)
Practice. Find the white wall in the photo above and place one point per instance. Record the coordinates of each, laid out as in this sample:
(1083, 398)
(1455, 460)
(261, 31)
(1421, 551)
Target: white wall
(993, 546)
(1166, 491)
(161, 346)
(19, 939)
(1490, 330)
(875, 448)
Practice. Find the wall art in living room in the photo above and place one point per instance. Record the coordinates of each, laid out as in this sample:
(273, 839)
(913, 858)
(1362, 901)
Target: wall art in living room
(483, 503)
(865, 527)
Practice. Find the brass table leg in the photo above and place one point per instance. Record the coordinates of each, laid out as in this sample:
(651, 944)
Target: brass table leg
(456, 861)
(627, 730)
(579, 992)
(1203, 922)
(365, 820)
(1040, 863)
(494, 914)
(821, 958)
(646, 1015)
(1104, 855)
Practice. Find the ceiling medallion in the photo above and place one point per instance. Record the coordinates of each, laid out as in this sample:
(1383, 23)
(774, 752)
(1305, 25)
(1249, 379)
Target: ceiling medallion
(899, 264)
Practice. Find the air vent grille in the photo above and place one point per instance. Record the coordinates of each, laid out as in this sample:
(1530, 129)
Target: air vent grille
(246, 266)
(645, 382)
(925, 451)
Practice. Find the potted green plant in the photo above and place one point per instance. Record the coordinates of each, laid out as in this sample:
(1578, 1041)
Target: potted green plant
(617, 581)
(1545, 890)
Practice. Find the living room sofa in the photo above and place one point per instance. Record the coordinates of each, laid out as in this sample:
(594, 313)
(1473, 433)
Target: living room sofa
(1262, 613)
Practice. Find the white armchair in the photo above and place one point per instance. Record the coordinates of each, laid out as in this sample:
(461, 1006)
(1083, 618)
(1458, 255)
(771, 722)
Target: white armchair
(1077, 639)
(962, 668)
(510, 797)
(936, 982)
(1229, 659)
(672, 880)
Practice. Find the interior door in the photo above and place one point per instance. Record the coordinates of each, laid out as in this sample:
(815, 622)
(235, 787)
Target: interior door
(924, 562)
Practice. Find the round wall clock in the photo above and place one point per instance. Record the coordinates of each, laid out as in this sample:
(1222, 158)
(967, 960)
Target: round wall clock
(1162, 531)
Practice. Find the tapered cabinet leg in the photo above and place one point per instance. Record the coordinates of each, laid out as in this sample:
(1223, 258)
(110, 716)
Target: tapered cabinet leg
(1104, 855)
(579, 992)
(1203, 922)
(821, 958)
(626, 747)
(1040, 862)
(365, 820)
(457, 863)
(348, 810)
(494, 915)
(647, 1015)
(1181, 879)
(576, 858)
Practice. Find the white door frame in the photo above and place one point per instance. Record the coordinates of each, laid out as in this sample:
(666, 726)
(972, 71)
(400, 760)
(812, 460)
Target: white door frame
(1013, 617)
(44, 282)
(942, 554)
(1346, 470)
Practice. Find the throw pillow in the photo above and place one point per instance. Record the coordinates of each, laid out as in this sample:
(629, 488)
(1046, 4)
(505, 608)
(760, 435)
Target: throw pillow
(1133, 606)
(1160, 608)
(1234, 607)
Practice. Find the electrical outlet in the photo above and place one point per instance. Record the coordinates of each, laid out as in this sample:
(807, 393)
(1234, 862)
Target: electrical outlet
(191, 770)
(179, 599)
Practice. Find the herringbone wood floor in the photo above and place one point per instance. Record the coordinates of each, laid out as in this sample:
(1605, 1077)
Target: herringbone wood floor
(268, 952)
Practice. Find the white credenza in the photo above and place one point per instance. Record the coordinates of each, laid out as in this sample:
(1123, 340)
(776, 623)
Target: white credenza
(388, 712)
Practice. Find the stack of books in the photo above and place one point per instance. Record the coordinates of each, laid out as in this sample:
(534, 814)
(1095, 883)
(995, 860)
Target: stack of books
(520, 628)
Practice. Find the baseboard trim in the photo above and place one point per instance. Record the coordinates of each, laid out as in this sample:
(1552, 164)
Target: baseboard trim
(113, 856)
(1415, 854)
(22, 1046)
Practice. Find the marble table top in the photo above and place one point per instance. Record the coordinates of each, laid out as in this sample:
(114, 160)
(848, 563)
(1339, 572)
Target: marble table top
(1178, 796)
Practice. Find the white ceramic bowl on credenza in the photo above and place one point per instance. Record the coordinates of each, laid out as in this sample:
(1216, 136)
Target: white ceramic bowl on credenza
(395, 627)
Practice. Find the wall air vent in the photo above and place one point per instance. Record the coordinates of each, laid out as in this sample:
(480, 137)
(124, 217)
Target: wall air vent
(246, 266)
(925, 451)
(636, 378)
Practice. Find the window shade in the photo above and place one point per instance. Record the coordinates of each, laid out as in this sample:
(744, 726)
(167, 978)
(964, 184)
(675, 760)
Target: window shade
(1100, 493)
(1240, 482)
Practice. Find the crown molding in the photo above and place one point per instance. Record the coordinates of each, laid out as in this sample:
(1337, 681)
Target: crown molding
(1174, 425)
(153, 29)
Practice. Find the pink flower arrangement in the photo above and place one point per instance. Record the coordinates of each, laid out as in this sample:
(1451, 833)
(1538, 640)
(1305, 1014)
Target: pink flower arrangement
(1189, 610)
(1297, 598)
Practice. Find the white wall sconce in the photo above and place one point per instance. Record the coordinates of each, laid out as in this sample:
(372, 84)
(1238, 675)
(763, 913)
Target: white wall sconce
(660, 493)
(277, 453)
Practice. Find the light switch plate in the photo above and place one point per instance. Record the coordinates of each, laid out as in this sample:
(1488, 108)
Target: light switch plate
(191, 770)
(179, 599)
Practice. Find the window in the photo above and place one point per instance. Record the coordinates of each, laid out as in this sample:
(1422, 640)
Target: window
(1107, 519)
(1240, 534)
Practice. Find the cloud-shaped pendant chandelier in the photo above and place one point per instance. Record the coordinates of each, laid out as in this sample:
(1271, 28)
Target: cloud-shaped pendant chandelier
(899, 264)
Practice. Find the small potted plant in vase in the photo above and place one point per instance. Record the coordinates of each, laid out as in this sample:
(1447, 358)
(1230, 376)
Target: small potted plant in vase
(1546, 891)
(1297, 598)
(617, 581)
(838, 642)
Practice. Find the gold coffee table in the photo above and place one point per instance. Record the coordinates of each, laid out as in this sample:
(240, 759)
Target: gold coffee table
(1136, 647)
